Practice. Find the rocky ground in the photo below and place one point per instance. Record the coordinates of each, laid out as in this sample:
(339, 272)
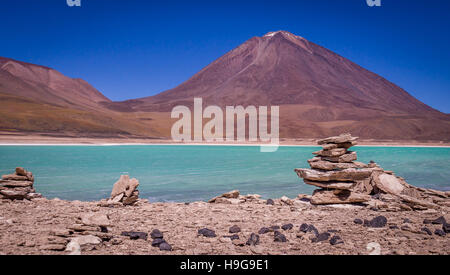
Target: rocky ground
(42, 226)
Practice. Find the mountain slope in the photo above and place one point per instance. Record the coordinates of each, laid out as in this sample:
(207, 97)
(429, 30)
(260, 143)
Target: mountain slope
(37, 99)
(46, 85)
(320, 92)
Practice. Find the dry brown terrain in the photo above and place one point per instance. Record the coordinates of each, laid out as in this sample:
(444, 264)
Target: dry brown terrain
(43, 226)
(319, 93)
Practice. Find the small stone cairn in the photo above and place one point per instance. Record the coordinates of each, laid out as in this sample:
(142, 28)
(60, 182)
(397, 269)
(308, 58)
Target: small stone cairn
(343, 180)
(18, 186)
(124, 192)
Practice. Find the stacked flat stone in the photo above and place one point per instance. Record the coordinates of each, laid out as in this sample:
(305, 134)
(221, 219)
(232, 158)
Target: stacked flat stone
(18, 186)
(334, 169)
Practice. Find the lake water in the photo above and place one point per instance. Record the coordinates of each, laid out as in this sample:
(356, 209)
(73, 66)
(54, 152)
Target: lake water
(185, 173)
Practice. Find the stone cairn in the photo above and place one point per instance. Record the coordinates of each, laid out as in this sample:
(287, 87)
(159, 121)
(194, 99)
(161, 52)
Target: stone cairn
(124, 192)
(18, 186)
(343, 180)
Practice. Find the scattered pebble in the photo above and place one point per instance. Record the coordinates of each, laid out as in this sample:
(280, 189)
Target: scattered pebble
(165, 247)
(264, 230)
(270, 202)
(279, 237)
(335, 240)
(439, 232)
(207, 232)
(321, 237)
(156, 234)
(358, 221)
(235, 229)
(157, 242)
(135, 235)
(377, 222)
(426, 230)
(287, 226)
(304, 228)
(253, 240)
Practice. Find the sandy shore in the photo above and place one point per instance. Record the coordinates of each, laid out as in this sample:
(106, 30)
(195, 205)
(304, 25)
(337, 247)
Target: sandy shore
(44, 226)
(18, 139)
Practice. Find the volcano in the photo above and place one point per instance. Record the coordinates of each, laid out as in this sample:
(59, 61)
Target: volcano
(320, 93)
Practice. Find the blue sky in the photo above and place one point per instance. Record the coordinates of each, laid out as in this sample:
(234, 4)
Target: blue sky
(129, 49)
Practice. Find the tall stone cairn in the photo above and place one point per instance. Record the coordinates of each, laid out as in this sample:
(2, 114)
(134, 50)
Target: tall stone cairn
(343, 180)
(18, 186)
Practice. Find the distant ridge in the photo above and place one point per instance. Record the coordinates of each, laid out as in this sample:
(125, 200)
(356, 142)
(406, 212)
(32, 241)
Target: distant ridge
(320, 93)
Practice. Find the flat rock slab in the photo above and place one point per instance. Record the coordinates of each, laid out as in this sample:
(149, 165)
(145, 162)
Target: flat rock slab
(329, 166)
(344, 138)
(348, 157)
(95, 219)
(350, 174)
(321, 197)
(14, 183)
(331, 184)
(331, 153)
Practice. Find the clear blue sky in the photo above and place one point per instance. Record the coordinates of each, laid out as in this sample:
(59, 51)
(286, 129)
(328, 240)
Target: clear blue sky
(130, 48)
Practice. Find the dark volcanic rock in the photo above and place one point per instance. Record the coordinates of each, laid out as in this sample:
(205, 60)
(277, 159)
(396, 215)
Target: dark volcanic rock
(275, 227)
(135, 235)
(165, 247)
(156, 234)
(393, 226)
(335, 240)
(321, 237)
(233, 237)
(407, 221)
(304, 227)
(439, 232)
(157, 242)
(358, 221)
(207, 232)
(426, 230)
(446, 227)
(270, 202)
(312, 228)
(287, 226)
(235, 229)
(264, 230)
(253, 240)
(440, 220)
(279, 237)
(377, 222)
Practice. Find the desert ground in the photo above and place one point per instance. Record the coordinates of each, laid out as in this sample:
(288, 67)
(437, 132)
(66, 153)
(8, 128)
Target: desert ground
(43, 226)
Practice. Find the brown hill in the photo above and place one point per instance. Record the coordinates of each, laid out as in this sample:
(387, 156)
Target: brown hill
(320, 92)
(37, 99)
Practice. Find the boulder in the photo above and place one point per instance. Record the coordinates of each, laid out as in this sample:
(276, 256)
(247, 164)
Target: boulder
(321, 197)
(124, 185)
(387, 183)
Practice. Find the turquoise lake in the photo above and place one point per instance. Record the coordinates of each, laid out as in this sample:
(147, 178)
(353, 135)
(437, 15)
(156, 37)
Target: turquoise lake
(183, 173)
